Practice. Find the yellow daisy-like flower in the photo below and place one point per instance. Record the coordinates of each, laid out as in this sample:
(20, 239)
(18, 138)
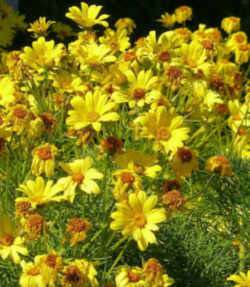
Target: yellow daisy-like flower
(39, 192)
(242, 280)
(78, 229)
(127, 276)
(125, 23)
(32, 275)
(167, 20)
(80, 174)
(7, 90)
(230, 24)
(43, 53)
(10, 244)
(44, 159)
(138, 217)
(80, 273)
(219, 164)
(40, 26)
(94, 109)
(164, 128)
(183, 13)
(87, 15)
(62, 30)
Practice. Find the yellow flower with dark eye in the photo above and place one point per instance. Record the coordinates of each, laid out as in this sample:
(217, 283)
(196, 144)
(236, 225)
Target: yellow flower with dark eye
(183, 13)
(127, 276)
(40, 26)
(78, 229)
(32, 275)
(138, 217)
(219, 164)
(94, 109)
(87, 15)
(230, 24)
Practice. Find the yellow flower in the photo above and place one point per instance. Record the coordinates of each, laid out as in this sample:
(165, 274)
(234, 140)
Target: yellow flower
(138, 217)
(92, 110)
(31, 276)
(164, 128)
(127, 276)
(242, 280)
(239, 115)
(219, 164)
(184, 162)
(62, 30)
(10, 244)
(87, 16)
(40, 26)
(230, 24)
(125, 23)
(39, 192)
(7, 90)
(183, 13)
(43, 53)
(44, 159)
(167, 20)
(80, 273)
(78, 228)
(80, 174)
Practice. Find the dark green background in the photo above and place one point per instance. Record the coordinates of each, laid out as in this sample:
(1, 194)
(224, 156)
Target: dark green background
(144, 12)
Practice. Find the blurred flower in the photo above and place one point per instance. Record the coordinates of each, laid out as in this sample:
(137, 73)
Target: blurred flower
(78, 229)
(242, 280)
(219, 164)
(183, 13)
(40, 26)
(230, 24)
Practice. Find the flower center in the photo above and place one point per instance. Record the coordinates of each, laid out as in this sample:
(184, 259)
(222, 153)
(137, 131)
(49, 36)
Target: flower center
(73, 274)
(185, 154)
(34, 271)
(51, 260)
(20, 112)
(7, 240)
(133, 277)
(140, 220)
(221, 160)
(77, 225)
(127, 178)
(239, 38)
(164, 56)
(78, 177)
(163, 134)
(92, 116)
(139, 93)
(44, 153)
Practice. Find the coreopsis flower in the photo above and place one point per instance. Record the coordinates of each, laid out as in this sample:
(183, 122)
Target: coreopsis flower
(154, 274)
(236, 39)
(44, 160)
(111, 145)
(34, 225)
(219, 164)
(138, 161)
(183, 13)
(173, 200)
(125, 179)
(7, 90)
(40, 26)
(241, 143)
(78, 229)
(42, 53)
(138, 217)
(32, 275)
(23, 209)
(163, 128)
(241, 280)
(167, 20)
(80, 174)
(239, 115)
(94, 109)
(87, 15)
(125, 23)
(39, 192)
(10, 245)
(141, 89)
(184, 162)
(242, 53)
(79, 273)
(230, 24)
(62, 30)
(127, 276)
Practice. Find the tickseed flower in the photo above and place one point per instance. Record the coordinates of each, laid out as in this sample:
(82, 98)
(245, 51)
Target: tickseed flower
(34, 225)
(219, 164)
(87, 15)
(241, 280)
(138, 161)
(7, 90)
(154, 274)
(125, 23)
(43, 53)
(138, 217)
(62, 30)
(163, 128)
(111, 145)
(78, 229)
(230, 24)
(39, 192)
(44, 159)
(80, 174)
(94, 109)
(184, 162)
(167, 20)
(173, 199)
(10, 244)
(79, 273)
(127, 276)
(32, 275)
(183, 13)
(40, 26)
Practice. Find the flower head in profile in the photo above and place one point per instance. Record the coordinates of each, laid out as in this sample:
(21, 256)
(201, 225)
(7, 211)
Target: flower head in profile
(87, 16)
(183, 13)
(39, 192)
(127, 276)
(80, 174)
(241, 280)
(125, 23)
(167, 20)
(78, 229)
(11, 245)
(94, 109)
(219, 164)
(138, 217)
(40, 26)
(230, 24)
